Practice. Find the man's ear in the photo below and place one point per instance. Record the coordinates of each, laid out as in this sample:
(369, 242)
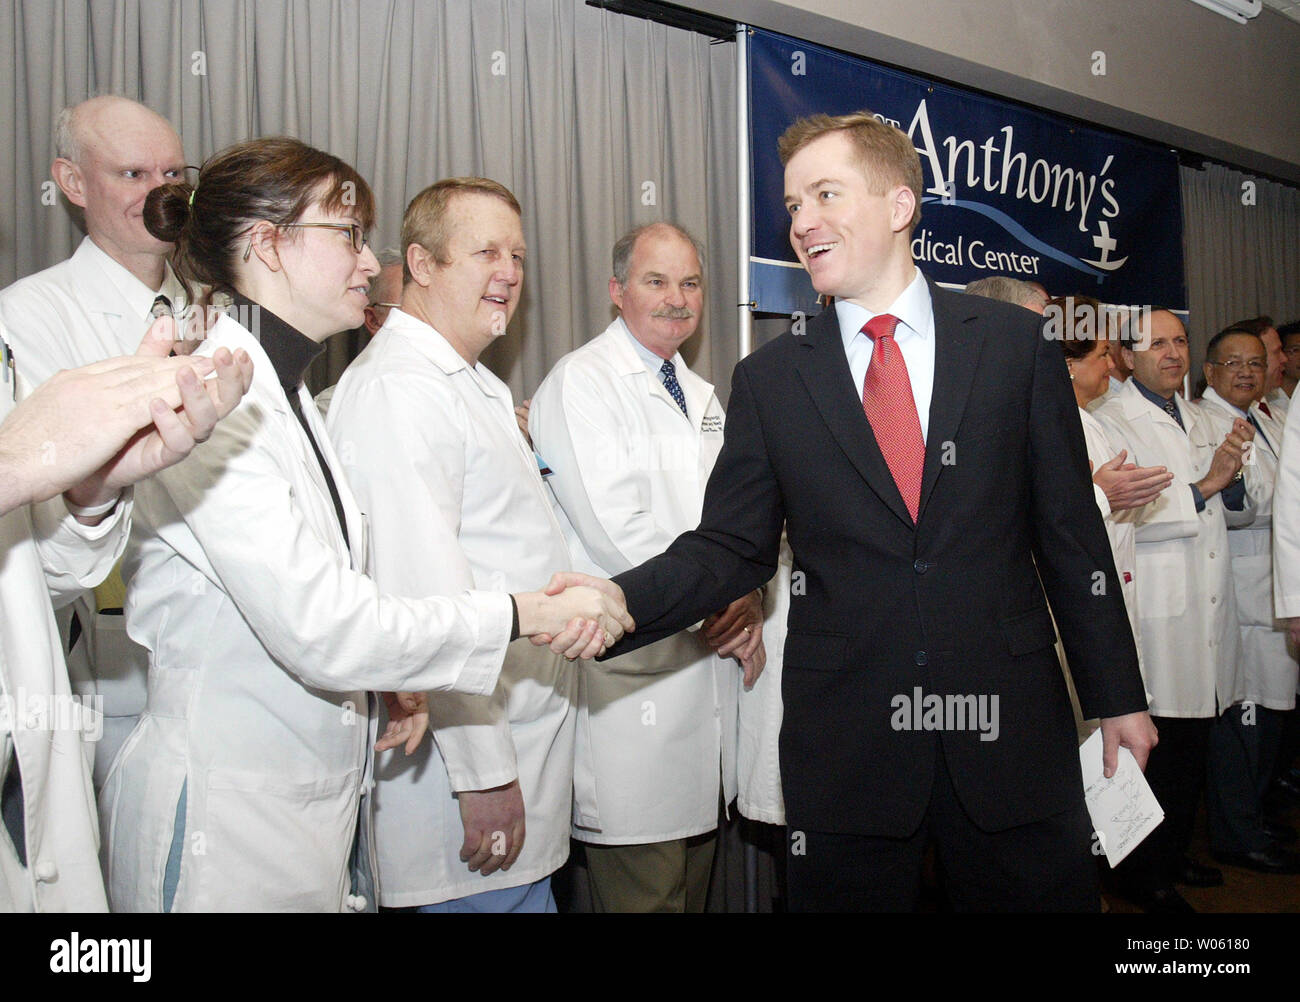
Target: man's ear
(616, 293)
(904, 206)
(67, 176)
(1127, 355)
(421, 264)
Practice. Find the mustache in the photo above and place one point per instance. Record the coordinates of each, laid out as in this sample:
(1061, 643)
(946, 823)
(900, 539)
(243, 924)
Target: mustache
(674, 313)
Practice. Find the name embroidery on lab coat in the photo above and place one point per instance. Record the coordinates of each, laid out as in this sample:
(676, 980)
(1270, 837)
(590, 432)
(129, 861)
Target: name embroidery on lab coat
(711, 425)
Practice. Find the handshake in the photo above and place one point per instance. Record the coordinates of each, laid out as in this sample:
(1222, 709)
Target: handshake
(577, 615)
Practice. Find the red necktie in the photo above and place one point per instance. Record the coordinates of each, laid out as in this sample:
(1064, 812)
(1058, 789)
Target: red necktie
(1264, 407)
(891, 410)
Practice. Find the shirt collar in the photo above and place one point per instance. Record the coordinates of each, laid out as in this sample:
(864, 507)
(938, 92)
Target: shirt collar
(912, 307)
(1150, 394)
(291, 352)
(652, 362)
(138, 295)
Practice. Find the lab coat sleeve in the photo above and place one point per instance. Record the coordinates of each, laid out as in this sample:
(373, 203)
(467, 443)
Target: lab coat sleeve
(76, 557)
(582, 428)
(403, 443)
(1170, 516)
(329, 625)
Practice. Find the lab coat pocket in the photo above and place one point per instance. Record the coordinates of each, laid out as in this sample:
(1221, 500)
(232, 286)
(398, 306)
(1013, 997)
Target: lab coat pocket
(1162, 585)
(273, 843)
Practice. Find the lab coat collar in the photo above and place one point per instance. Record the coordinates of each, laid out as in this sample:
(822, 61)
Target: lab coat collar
(429, 342)
(697, 390)
(1212, 396)
(1137, 405)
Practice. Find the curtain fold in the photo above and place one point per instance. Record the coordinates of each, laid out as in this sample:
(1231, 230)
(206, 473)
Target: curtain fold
(1241, 249)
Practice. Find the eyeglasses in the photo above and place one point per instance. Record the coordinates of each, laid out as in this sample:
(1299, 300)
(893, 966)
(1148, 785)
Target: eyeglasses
(391, 306)
(354, 230)
(1293, 350)
(1235, 364)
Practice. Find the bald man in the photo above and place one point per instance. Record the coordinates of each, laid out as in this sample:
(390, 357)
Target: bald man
(111, 152)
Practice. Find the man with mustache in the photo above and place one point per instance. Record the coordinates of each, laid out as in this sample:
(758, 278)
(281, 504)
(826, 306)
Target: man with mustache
(632, 435)
(1187, 611)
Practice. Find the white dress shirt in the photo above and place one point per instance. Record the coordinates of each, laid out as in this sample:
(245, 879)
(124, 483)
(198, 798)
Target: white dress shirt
(914, 337)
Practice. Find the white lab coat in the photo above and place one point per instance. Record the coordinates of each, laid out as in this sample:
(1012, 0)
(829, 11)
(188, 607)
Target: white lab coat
(44, 552)
(759, 710)
(1119, 524)
(422, 432)
(1286, 522)
(262, 643)
(654, 726)
(83, 310)
(1269, 671)
(1186, 611)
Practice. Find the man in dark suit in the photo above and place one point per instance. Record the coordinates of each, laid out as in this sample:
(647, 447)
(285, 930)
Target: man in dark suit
(924, 451)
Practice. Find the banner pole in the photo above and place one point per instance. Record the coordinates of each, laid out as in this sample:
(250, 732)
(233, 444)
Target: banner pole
(746, 327)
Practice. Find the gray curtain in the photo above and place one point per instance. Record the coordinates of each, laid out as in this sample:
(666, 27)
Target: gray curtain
(1241, 260)
(596, 121)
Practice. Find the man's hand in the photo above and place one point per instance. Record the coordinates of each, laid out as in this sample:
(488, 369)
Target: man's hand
(408, 720)
(171, 436)
(592, 615)
(1133, 731)
(738, 631)
(1228, 458)
(494, 827)
(1129, 486)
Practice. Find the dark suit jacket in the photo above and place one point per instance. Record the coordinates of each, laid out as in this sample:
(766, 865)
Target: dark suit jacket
(952, 605)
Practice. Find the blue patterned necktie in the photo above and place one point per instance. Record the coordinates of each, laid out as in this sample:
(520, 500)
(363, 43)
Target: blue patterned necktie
(1171, 409)
(672, 386)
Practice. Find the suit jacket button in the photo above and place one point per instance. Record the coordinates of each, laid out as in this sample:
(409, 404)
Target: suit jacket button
(920, 567)
(922, 659)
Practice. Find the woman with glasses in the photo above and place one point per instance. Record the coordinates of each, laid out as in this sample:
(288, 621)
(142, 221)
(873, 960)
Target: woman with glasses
(242, 786)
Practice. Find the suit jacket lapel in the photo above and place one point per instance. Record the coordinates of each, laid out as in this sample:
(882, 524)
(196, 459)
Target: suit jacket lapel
(957, 343)
(824, 369)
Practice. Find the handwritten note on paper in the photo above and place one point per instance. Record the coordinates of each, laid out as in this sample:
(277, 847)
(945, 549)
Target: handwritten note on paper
(1123, 809)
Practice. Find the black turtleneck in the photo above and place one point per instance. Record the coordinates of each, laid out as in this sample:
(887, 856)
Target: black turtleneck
(291, 352)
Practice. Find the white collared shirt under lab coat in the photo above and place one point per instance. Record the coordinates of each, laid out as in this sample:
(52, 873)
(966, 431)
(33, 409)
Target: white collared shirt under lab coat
(83, 310)
(264, 637)
(421, 431)
(1269, 671)
(1186, 608)
(45, 553)
(629, 470)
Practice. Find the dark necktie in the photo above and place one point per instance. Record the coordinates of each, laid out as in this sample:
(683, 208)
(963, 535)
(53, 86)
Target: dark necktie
(672, 386)
(162, 307)
(1264, 407)
(1258, 430)
(1171, 409)
(891, 410)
